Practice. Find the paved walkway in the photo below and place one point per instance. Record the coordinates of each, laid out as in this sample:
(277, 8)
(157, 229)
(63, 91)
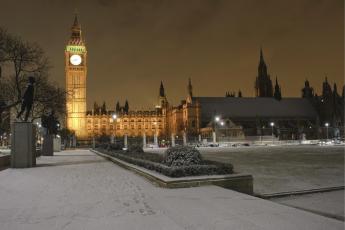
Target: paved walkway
(79, 190)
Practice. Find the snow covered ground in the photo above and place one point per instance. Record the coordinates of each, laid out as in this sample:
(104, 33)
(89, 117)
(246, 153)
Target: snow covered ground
(326, 203)
(283, 168)
(79, 190)
(5, 151)
(290, 168)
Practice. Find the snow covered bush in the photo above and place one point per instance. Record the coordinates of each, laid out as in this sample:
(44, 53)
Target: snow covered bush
(135, 149)
(182, 156)
(115, 147)
(154, 162)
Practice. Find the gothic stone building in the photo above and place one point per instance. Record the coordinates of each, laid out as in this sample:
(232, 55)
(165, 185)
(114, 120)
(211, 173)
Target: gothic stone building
(240, 117)
(123, 121)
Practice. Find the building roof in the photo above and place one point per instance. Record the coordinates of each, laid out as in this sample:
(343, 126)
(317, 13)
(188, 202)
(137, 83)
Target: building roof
(261, 107)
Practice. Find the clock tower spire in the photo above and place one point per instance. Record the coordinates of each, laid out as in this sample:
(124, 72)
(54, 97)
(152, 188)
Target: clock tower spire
(76, 70)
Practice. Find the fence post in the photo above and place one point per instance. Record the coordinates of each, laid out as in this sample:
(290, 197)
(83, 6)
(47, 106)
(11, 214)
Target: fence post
(184, 138)
(214, 137)
(144, 140)
(172, 140)
(125, 141)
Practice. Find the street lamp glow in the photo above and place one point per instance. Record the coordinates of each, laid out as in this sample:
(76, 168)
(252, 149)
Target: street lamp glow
(114, 116)
(217, 119)
(272, 125)
(222, 123)
(327, 124)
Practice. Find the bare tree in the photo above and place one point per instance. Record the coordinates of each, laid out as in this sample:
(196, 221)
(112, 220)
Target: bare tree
(18, 60)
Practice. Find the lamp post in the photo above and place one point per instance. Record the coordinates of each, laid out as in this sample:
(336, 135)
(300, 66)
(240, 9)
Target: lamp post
(272, 125)
(214, 134)
(155, 137)
(327, 124)
(114, 116)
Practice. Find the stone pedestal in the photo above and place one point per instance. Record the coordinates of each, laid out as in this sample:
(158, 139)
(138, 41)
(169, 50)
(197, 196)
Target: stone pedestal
(74, 141)
(93, 143)
(23, 148)
(172, 140)
(125, 141)
(155, 140)
(184, 139)
(144, 140)
(214, 137)
(48, 145)
(57, 144)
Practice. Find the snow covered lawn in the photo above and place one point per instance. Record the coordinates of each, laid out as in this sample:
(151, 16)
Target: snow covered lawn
(79, 190)
(284, 168)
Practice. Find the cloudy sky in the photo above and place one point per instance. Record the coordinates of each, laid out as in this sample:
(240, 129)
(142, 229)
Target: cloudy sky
(134, 44)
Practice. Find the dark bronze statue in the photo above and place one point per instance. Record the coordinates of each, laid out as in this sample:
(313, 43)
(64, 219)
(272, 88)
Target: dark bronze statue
(27, 99)
(50, 122)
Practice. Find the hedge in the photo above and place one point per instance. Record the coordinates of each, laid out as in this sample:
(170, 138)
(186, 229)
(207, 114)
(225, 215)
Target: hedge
(207, 168)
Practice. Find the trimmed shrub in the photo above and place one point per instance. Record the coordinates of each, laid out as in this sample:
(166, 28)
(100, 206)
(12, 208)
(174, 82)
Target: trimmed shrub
(182, 156)
(206, 168)
(135, 149)
(115, 147)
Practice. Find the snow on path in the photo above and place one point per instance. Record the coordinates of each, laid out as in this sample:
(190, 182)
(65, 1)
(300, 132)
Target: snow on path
(331, 203)
(79, 190)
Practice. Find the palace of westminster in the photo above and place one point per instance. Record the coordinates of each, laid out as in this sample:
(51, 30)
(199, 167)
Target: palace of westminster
(237, 117)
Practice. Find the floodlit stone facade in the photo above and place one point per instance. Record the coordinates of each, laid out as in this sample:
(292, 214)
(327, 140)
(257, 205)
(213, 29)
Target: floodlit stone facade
(76, 70)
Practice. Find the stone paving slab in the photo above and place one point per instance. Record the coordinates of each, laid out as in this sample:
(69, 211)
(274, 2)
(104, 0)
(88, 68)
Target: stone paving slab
(79, 190)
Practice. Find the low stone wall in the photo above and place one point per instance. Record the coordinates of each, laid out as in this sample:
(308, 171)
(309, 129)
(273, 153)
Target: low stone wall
(238, 182)
(5, 161)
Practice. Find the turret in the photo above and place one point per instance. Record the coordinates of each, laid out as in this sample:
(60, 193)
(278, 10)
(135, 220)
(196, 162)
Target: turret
(307, 91)
(190, 91)
(277, 91)
(162, 100)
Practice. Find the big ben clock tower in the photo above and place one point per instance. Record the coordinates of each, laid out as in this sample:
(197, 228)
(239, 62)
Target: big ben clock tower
(76, 69)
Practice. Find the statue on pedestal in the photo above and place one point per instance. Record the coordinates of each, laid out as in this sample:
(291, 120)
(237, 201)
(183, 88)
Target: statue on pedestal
(27, 100)
(50, 122)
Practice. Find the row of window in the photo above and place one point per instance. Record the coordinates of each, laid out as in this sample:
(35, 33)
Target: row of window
(124, 127)
(105, 121)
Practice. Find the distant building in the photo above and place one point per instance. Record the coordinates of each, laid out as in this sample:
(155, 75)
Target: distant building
(329, 106)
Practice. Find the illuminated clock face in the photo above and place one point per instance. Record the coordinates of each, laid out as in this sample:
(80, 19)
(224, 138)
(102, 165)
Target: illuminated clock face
(75, 59)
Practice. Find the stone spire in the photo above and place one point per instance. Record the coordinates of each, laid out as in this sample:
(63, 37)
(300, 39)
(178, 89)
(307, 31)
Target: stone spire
(263, 84)
(277, 91)
(326, 89)
(261, 56)
(76, 37)
(161, 90)
(190, 88)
